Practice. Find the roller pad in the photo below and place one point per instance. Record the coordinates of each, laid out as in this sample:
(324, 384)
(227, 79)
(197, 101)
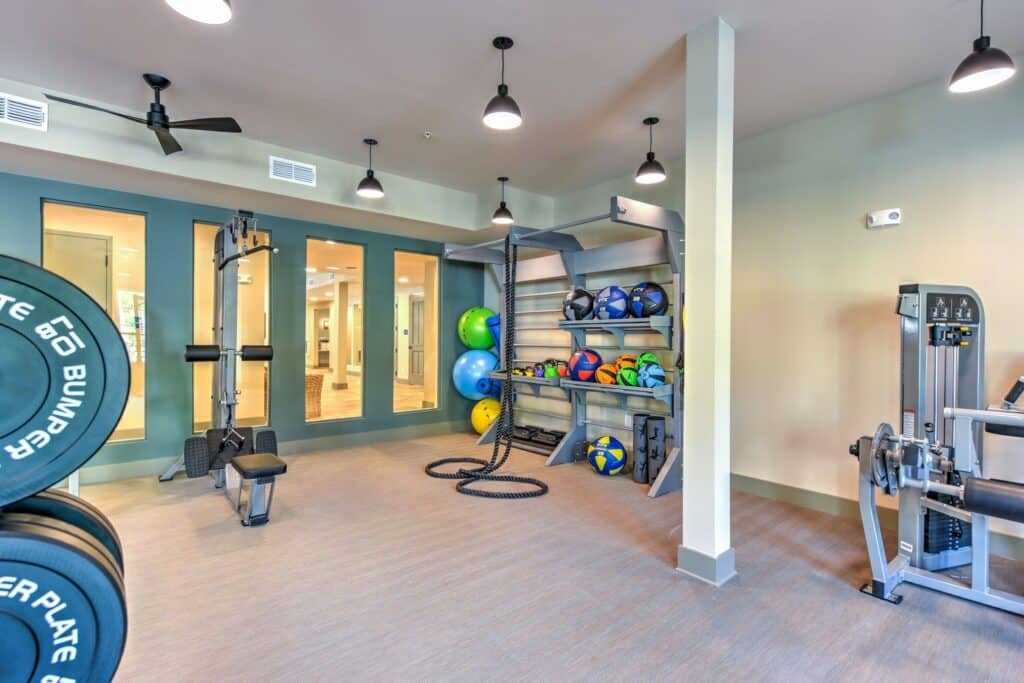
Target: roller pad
(995, 498)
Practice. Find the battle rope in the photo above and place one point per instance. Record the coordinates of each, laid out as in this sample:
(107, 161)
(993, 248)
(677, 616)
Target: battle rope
(503, 432)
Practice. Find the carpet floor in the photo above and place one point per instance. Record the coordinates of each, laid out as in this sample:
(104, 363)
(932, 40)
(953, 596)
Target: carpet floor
(371, 571)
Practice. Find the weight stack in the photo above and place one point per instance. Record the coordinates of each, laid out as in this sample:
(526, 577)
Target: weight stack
(65, 383)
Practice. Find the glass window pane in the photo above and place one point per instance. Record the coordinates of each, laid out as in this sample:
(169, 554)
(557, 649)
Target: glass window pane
(252, 378)
(416, 298)
(334, 330)
(104, 253)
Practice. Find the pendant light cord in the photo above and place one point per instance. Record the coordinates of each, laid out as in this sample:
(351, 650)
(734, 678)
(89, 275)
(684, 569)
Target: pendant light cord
(370, 147)
(503, 67)
(650, 130)
(982, 22)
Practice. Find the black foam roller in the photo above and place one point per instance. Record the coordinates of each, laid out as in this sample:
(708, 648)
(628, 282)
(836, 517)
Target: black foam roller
(200, 353)
(655, 447)
(640, 449)
(257, 353)
(995, 498)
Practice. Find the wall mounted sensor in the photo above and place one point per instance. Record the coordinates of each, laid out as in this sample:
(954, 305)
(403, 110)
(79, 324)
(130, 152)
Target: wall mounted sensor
(884, 218)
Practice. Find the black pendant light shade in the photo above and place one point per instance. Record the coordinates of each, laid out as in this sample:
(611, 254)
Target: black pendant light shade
(370, 187)
(985, 67)
(651, 171)
(502, 112)
(502, 216)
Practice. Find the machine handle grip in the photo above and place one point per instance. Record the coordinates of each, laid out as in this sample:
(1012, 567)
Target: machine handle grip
(257, 353)
(1015, 391)
(200, 353)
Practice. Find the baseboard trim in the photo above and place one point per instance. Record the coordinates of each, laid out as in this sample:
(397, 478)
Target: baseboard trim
(1004, 545)
(712, 570)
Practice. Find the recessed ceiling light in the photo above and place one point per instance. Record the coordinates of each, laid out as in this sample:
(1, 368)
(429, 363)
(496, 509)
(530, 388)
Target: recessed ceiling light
(203, 11)
(331, 242)
(403, 280)
(244, 260)
(313, 298)
(310, 270)
(333, 268)
(129, 250)
(125, 274)
(329, 294)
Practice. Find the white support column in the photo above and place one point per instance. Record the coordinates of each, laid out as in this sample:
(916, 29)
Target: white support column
(706, 551)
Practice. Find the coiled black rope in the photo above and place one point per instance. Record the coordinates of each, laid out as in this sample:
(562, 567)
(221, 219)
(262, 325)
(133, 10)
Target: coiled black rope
(487, 468)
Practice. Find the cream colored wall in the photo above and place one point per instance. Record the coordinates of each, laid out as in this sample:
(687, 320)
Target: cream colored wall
(815, 339)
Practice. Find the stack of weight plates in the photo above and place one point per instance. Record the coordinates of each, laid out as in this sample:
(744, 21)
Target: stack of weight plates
(64, 380)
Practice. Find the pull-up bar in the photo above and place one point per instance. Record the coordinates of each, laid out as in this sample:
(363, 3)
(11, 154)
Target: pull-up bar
(623, 210)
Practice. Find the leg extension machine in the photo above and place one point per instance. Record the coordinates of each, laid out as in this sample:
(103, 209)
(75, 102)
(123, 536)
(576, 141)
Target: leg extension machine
(935, 464)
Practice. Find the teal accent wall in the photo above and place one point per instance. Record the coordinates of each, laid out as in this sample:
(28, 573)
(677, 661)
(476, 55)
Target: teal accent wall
(169, 279)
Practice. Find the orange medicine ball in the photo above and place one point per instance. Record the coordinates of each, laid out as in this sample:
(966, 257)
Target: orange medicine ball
(607, 374)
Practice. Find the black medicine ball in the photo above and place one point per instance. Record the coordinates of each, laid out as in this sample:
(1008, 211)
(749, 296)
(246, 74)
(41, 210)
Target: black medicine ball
(578, 305)
(647, 299)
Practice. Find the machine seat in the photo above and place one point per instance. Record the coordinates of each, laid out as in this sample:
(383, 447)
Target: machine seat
(258, 465)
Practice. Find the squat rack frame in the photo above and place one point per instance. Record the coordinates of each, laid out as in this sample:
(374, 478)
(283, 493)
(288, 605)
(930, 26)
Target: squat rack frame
(573, 263)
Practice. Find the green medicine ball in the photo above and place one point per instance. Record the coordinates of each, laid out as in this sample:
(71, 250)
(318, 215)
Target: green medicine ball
(646, 358)
(629, 377)
(473, 330)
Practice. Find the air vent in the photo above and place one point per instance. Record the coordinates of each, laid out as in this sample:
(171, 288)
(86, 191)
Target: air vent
(26, 113)
(293, 171)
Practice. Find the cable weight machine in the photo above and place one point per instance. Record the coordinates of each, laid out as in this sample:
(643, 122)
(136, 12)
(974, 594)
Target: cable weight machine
(230, 454)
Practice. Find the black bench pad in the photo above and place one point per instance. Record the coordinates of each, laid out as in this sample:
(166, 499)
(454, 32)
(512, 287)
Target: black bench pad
(259, 465)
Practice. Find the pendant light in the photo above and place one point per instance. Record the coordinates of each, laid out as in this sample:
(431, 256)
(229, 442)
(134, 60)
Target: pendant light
(203, 11)
(985, 67)
(369, 186)
(651, 171)
(502, 216)
(502, 112)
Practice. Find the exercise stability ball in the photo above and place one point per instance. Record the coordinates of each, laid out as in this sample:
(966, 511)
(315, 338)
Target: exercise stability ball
(470, 368)
(473, 329)
(485, 412)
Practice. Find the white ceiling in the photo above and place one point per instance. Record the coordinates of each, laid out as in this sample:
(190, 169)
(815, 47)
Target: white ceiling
(319, 75)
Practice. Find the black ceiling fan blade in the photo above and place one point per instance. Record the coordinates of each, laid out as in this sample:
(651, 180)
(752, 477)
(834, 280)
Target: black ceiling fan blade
(75, 103)
(219, 124)
(167, 141)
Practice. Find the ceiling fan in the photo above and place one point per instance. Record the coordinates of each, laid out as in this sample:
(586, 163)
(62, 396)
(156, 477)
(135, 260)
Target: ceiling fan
(158, 121)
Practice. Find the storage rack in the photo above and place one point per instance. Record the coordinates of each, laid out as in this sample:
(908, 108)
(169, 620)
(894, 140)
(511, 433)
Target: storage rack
(570, 261)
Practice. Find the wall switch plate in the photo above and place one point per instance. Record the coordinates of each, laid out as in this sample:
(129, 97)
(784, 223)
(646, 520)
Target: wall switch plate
(884, 218)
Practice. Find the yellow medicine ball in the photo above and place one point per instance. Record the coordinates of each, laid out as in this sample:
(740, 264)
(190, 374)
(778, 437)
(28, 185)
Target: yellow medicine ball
(485, 412)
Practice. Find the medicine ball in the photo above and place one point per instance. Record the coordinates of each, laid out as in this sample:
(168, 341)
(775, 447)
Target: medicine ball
(485, 412)
(652, 376)
(584, 364)
(626, 360)
(578, 305)
(607, 374)
(646, 358)
(607, 455)
(628, 377)
(612, 303)
(647, 299)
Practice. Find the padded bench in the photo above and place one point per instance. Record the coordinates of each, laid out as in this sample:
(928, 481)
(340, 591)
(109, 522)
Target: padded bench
(260, 470)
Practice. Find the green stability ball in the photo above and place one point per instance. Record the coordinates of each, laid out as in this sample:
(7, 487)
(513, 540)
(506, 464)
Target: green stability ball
(473, 330)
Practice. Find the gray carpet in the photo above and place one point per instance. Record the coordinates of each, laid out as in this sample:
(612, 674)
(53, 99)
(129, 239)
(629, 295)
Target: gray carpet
(372, 571)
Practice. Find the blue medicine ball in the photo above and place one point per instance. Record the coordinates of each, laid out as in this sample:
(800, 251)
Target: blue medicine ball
(470, 369)
(612, 303)
(607, 455)
(647, 299)
(652, 376)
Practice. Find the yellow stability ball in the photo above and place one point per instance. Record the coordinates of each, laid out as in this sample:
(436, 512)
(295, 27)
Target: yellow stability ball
(485, 412)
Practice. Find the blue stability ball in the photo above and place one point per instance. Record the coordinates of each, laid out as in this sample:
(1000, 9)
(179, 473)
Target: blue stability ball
(470, 368)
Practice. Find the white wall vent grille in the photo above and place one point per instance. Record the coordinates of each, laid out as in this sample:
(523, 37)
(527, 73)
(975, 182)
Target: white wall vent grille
(293, 171)
(19, 111)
